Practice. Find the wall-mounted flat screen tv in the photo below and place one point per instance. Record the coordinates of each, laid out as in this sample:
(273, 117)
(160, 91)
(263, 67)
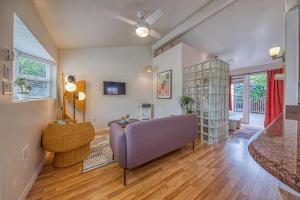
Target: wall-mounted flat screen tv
(114, 88)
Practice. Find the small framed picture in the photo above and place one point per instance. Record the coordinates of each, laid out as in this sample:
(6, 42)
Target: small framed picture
(6, 71)
(164, 85)
(6, 88)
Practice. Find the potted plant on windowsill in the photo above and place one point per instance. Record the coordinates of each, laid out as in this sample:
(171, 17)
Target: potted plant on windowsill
(186, 103)
(24, 87)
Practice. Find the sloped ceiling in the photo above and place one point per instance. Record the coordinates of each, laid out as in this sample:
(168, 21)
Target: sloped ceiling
(91, 23)
(25, 42)
(242, 33)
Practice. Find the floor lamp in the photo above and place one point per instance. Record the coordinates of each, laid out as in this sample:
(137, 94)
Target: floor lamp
(71, 87)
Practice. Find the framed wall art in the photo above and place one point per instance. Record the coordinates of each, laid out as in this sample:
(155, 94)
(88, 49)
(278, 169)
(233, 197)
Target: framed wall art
(164, 85)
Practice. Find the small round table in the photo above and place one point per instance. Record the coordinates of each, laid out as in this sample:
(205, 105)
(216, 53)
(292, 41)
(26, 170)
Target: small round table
(122, 125)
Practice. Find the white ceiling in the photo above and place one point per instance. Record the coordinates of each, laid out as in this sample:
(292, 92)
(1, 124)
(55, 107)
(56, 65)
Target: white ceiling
(242, 33)
(24, 41)
(91, 23)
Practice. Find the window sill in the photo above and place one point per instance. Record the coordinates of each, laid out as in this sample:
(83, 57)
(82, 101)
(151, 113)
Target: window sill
(31, 100)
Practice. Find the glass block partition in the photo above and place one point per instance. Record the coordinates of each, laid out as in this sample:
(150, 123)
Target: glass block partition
(208, 84)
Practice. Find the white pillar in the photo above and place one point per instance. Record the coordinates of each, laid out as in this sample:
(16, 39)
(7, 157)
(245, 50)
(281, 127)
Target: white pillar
(246, 100)
(291, 47)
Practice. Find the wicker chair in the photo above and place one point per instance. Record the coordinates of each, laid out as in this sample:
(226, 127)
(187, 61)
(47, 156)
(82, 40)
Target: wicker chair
(69, 142)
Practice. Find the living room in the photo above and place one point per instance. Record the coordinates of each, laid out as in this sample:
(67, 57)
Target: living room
(96, 68)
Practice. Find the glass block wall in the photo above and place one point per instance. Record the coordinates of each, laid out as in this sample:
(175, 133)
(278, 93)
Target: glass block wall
(208, 84)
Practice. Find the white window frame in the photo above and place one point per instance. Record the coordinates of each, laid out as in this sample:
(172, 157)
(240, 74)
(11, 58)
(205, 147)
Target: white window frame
(48, 79)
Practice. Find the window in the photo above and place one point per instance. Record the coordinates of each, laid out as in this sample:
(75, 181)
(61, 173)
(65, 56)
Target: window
(37, 71)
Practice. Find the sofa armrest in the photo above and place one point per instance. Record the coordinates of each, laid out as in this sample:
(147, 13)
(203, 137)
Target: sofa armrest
(118, 144)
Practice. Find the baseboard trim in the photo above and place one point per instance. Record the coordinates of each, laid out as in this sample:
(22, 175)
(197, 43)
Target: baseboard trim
(33, 178)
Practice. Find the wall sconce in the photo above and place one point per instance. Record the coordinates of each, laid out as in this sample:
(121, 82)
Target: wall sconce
(149, 69)
(274, 52)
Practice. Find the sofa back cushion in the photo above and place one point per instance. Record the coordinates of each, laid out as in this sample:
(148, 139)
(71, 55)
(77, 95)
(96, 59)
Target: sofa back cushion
(151, 139)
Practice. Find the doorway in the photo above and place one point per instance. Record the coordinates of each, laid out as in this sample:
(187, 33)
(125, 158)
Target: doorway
(249, 98)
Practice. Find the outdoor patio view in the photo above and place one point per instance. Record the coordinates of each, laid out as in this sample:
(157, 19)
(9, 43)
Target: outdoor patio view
(257, 99)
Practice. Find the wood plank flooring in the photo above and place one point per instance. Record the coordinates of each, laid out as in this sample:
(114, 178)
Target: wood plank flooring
(225, 171)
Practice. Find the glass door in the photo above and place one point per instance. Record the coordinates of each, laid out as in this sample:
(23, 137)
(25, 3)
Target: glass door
(257, 96)
(237, 92)
(240, 99)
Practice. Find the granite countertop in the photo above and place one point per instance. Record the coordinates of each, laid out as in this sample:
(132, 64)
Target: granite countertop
(277, 149)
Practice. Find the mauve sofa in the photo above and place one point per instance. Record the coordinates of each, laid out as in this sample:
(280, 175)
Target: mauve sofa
(143, 141)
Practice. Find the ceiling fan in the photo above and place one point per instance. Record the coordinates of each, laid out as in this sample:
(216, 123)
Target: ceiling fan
(143, 25)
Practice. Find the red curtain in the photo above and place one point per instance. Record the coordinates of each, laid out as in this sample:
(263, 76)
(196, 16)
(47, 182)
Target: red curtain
(274, 101)
(230, 99)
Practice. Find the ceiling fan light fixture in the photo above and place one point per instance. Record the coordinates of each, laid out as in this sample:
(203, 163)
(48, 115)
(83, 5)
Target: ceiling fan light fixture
(142, 31)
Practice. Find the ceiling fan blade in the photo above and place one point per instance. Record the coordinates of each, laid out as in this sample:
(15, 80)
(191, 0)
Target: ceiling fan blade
(128, 21)
(154, 34)
(154, 17)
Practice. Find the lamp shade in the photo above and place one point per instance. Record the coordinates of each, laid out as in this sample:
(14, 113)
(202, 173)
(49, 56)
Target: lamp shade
(69, 78)
(70, 87)
(274, 52)
(80, 96)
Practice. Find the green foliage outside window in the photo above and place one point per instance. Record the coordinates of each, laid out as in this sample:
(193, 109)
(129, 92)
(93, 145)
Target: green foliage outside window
(32, 67)
(258, 87)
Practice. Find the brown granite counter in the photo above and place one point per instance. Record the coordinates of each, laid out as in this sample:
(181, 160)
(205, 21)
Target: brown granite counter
(277, 150)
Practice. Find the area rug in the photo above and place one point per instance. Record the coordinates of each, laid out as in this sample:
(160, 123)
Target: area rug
(100, 155)
(246, 132)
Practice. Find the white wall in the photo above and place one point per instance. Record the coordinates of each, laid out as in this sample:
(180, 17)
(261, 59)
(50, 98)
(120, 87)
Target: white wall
(182, 55)
(121, 64)
(21, 124)
(292, 63)
(190, 56)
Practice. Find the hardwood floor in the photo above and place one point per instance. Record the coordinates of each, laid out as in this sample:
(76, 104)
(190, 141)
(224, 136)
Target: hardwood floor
(225, 171)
